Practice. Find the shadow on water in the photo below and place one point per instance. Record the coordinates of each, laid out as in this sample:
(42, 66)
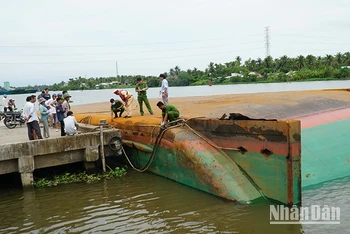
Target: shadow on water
(137, 203)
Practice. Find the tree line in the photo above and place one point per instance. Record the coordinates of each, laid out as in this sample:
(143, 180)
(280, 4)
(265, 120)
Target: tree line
(282, 69)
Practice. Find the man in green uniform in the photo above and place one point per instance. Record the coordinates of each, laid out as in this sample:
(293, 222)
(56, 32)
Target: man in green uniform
(169, 112)
(141, 88)
(116, 106)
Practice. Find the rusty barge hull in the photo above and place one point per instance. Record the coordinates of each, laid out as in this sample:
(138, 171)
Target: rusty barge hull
(238, 160)
(278, 158)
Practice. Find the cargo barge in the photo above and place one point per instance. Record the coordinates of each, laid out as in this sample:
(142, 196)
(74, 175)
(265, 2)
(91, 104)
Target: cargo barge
(277, 145)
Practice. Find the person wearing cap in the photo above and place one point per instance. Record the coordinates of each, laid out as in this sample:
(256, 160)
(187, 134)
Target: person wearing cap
(70, 124)
(65, 95)
(5, 102)
(141, 89)
(30, 115)
(11, 106)
(164, 89)
(44, 117)
(127, 99)
(116, 106)
(65, 105)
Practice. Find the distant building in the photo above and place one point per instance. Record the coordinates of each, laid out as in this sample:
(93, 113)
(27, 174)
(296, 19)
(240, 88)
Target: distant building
(234, 75)
(348, 67)
(291, 73)
(257, 74)
(106, 85)
(7, 85)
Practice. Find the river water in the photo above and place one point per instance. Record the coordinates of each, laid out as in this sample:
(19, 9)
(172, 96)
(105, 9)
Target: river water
(146, 203)
(103, 95)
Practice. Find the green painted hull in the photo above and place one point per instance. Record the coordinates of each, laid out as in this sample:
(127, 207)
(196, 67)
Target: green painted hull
(185, 158)
(223, 171)
(325, 152)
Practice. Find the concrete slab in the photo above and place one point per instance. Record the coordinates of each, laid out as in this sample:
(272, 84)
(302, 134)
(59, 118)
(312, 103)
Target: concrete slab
(20, 134)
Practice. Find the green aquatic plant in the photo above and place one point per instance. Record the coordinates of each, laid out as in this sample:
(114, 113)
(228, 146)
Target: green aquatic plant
(78, 177)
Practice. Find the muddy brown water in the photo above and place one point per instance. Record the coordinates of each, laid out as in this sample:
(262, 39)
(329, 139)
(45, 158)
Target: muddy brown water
(146, 203)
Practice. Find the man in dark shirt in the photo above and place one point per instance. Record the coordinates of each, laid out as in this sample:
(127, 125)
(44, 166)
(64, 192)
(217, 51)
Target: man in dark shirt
(116, 106)
(46, 94)
(60, 114)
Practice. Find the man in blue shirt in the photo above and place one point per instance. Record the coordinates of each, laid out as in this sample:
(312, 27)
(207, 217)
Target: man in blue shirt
(60, 114)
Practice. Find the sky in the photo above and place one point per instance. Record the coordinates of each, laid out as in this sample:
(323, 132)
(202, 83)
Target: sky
(46, 42)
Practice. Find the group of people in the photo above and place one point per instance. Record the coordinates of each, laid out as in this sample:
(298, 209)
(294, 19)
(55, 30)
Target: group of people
(54, 111)
(8, 104)
(169, 112)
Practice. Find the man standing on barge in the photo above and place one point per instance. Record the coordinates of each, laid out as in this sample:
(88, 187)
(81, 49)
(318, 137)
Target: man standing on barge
(141, 89)
(164, 89)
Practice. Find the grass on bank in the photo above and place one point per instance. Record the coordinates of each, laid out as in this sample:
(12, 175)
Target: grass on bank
(79, 177)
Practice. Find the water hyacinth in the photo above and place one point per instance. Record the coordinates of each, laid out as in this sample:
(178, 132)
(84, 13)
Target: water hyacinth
(78, 177)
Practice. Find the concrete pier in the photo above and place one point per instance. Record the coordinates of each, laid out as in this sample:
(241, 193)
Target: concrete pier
(26, 156)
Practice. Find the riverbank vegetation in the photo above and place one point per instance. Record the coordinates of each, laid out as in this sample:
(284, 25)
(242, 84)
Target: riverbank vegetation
(78, 177)
(283, 69)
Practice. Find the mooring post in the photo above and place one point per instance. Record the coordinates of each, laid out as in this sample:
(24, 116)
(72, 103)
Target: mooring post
(102, 151)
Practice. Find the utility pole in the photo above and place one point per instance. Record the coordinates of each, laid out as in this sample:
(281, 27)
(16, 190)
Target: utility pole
(117, 72)
(267, 41)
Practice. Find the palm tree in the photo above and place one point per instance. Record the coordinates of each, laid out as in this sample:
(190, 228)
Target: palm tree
(339, 58)
(300, 62)
(230, 64)
(172, 72)
(310, 61)
(177, 70)
(238, 61)
(346, 59)
(283, 63)
(329, 60)
(268, 61)
(211, 68)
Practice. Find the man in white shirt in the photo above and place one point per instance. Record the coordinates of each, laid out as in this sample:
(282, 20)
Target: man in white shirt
(52, 110)
(70, 124)
(31, 116)
(4, 102)
(164, 88)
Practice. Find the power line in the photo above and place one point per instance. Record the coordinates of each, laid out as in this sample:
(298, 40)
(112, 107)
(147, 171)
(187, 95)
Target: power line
(125, 45)
(132, 52)
(135, 59)
(305, 36)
